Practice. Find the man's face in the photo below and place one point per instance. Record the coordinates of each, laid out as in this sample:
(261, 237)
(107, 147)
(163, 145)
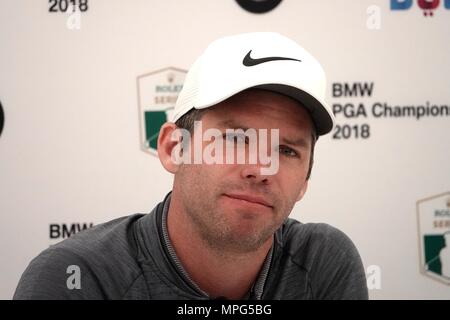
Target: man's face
(232, 206)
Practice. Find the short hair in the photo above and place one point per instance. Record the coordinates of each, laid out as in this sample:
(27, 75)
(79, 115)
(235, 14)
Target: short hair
(187, 122)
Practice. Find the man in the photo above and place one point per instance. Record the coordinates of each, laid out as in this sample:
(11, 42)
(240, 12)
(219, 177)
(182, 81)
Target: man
(223, 232)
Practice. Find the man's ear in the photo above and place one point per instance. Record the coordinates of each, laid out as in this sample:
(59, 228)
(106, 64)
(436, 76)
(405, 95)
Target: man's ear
(167, 142)
(302, 191)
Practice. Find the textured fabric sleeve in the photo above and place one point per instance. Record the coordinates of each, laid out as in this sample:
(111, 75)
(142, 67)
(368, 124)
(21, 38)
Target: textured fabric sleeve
(97, 263)
(58, 274)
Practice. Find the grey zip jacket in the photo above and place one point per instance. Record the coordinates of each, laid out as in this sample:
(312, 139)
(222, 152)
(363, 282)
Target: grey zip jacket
(132, 258)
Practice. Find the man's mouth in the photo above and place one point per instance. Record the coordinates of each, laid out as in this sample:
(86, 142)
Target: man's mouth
(255, 199)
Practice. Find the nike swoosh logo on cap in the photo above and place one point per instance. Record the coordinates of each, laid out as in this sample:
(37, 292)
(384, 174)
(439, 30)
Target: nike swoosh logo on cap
(249, 61)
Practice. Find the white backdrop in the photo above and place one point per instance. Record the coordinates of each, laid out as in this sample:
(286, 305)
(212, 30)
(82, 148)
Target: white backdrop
(71, 154)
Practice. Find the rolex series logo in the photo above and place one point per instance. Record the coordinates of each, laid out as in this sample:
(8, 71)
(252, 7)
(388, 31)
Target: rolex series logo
(157, 94)
(433, 216)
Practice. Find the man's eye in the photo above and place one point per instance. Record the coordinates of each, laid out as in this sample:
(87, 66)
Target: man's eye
(284, 150)
(236, 138)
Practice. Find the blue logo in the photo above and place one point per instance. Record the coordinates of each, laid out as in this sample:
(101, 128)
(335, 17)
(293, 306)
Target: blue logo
(428, 6)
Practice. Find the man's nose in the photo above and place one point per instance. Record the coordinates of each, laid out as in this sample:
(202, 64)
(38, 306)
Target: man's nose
(253, 173)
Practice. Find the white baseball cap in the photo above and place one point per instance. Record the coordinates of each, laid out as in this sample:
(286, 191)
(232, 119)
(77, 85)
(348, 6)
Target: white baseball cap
(263, 60)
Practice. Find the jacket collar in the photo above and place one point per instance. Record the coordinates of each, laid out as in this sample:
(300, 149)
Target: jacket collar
(154, 246)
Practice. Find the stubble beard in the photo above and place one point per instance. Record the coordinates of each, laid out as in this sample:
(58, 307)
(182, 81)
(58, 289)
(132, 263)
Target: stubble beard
(218, 230)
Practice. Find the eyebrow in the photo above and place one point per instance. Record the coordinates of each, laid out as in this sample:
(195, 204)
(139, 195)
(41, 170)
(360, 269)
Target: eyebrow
(231, 124)
(298, 142)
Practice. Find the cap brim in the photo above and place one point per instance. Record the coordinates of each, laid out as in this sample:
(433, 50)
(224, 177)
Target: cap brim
(317, 109)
